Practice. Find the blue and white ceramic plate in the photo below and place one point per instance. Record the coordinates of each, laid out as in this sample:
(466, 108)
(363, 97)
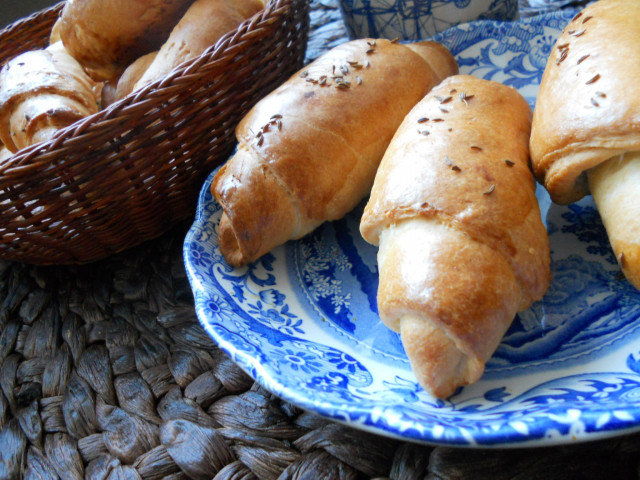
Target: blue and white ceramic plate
(302, 320)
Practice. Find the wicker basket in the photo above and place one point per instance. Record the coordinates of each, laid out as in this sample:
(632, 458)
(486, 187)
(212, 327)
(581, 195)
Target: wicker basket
(131, 171)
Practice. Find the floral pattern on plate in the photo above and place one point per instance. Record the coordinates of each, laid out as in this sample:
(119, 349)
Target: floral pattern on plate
(302, 320)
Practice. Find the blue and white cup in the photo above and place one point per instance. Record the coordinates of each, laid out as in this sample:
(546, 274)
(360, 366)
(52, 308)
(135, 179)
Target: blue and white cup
(418, 19)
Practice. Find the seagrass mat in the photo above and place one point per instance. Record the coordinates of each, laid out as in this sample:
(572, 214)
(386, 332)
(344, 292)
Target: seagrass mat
(105, 373)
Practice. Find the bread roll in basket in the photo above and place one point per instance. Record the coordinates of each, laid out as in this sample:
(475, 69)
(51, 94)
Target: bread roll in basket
(131, 171)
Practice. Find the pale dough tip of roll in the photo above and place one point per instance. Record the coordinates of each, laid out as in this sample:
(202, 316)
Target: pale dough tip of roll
(228, 243)
(438, 364)
(614, 186)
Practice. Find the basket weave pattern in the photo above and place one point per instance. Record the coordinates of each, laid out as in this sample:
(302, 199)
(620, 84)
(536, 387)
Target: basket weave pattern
(106, 374)
(131, 171)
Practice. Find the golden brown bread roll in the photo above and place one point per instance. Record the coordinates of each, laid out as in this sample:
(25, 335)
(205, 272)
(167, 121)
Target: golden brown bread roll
(54, 37)
(108, 95)
(462, 244)
(308, 152)
(202, 26)
(586, 114)
(41, 92)
(105, 36)
(117, 90)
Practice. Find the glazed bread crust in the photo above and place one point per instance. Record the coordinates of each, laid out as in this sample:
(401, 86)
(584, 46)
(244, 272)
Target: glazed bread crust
(118, 89)
(42, 91)
(105, 36)
(586, 127)
(586, 110)
(204, 23)
(316, 141)
(462, 244)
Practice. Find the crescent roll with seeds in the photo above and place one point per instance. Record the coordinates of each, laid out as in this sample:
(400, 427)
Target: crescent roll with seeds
(462, 244)
(308, 152)
(586, 126)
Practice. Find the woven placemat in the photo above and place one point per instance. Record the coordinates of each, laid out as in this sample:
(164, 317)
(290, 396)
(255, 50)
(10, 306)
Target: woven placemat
(105, 373)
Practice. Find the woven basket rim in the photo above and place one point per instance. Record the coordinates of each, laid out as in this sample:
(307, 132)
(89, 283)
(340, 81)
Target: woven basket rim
(28, 155)
(131, 171)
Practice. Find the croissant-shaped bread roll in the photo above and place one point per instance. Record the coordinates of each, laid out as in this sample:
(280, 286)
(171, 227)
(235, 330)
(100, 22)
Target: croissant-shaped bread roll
(105, 36)
(587, 115)
(308, 152)
(54, 36)
(462, 244)
(41, 92)
(118, 89)
(201, 26)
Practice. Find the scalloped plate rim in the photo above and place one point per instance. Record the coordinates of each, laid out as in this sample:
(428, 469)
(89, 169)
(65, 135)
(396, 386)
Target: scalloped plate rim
(290, 395)
(485, 439)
